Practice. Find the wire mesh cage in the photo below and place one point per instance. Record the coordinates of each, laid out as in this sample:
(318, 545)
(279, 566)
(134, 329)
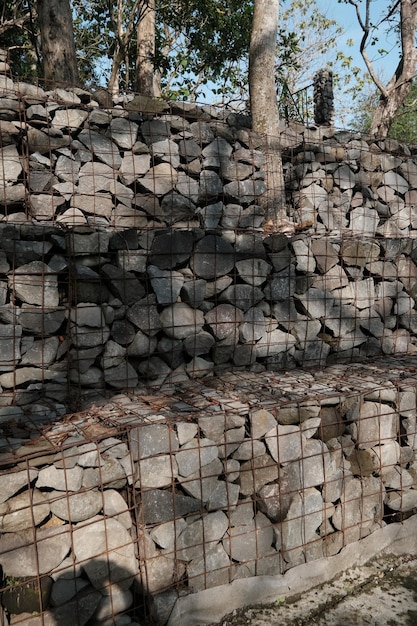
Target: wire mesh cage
(189, 395)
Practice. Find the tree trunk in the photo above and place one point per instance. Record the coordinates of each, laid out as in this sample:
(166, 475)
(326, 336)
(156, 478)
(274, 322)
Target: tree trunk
(398, 88)
(57, 43)
(264, 105)
(145, 72)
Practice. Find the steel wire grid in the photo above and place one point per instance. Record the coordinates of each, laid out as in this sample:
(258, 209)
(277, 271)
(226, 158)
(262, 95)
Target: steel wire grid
(134, 254)
(209, 492)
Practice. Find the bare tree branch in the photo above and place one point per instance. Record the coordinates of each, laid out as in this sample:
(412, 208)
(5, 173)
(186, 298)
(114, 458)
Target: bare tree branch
(15, 23)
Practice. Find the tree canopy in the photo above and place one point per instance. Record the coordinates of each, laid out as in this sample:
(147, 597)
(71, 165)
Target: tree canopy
(199, 49)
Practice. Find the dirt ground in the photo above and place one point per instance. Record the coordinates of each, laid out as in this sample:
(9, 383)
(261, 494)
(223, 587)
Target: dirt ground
(381, 593)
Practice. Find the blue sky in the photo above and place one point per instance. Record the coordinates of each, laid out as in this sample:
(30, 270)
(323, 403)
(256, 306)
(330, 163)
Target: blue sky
(345, 15)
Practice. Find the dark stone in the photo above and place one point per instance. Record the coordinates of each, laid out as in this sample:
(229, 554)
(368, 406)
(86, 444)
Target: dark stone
(242, 296)
(155, 130)
(193, 292)
(159, 506)
(145, 316)
(41, 321)
(213, 257)
(122, 332)
(124, 240)
(122, 284)
(171, 249)
(175, 208)
(189, 149)
(281, 286)
(171, 351)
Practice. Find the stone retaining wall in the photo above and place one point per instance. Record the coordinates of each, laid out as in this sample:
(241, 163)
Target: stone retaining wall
(133, 249)
(133, 254)
(150, 498)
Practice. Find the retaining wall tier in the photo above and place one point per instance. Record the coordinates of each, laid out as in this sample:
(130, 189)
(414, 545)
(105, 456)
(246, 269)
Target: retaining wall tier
(191, 397)
(137, 507)
(133, 247)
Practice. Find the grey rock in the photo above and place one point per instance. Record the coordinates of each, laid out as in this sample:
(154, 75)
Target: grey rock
(180, 320)
(10, 336)
(274, 342)
(253, 271)
(189, 149)
(69, 118)
(156, 472)
(158, 506)
(377, 423)
(284, 443)
(22, 511)
(11, 483)
(208, 530)
(12, 166)
(304, 517)
(155, 130)
(281, 286)
(115, 506)
(211, 571)
(198, 344)
(193, 292)
(245, 191)
(123, 284)
(242, 296)
(195, 454)
(251, 541)
(203, 483)
(142, 345)
(105, 150)
(20, 554)
(210, 187)
(171, 249)
(256, 473)
(160, 179)
(253, 326)
(123, 132)
(211, 215)
(35, 283)
(166, 284)
(223, 320)
(118, 564)
(151, 439)
(316, 302)
(64, 590)
(60, 479)
(75, 507)
(144, 315)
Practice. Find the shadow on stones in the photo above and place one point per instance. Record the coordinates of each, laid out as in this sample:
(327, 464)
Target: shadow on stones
(87, 598)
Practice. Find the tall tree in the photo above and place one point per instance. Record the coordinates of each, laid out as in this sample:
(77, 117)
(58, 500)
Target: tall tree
(57, 43)
(145, 80)
(264, 105)
(124, 17)
(402, 15)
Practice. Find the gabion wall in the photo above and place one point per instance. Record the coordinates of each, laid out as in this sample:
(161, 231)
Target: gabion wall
(133, 248)
(134, 256)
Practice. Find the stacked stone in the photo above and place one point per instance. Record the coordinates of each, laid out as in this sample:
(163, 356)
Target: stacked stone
(185, 490)
(159, 268)
(345, 184)
(93, 311)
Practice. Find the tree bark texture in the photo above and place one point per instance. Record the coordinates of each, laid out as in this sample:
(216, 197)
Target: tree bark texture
(264, 105)
(398, 88)
(145, 71)
(57, 43)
